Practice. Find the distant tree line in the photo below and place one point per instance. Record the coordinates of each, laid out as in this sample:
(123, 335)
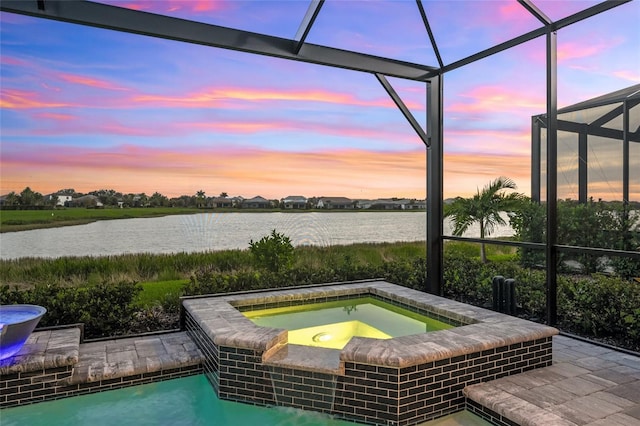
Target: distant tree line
(69, 197)
(29, 199)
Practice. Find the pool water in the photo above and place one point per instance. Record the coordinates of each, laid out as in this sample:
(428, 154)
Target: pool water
(187, 401)
(333, 324)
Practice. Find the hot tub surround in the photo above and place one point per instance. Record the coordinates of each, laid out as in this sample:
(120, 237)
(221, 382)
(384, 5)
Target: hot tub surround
(400, 381)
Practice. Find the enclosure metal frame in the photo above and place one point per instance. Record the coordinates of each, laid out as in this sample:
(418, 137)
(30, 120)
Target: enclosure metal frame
(137, 22)
(627, 99)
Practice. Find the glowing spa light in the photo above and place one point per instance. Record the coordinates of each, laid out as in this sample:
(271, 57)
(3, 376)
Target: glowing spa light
(16, 324)
(321, 337)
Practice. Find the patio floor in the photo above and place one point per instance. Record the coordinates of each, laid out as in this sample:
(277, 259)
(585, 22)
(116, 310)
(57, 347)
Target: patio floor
(586, 385)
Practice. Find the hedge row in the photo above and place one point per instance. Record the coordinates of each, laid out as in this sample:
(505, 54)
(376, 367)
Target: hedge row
(596, 306)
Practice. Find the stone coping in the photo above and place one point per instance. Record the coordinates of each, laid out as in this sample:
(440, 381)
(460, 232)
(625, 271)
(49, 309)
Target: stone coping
(308, 358)
(43, 350)
(485, 329)
(110, 359)
(101, 360)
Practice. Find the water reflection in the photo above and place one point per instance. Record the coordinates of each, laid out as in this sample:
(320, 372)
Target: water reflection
(217, 231)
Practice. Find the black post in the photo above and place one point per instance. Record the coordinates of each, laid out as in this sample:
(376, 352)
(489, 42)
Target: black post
(552, 178)
(497, 286)
(510, 296)
(434, 187)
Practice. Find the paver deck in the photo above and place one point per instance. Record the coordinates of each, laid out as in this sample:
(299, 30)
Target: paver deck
(588, 385)
(109, 359)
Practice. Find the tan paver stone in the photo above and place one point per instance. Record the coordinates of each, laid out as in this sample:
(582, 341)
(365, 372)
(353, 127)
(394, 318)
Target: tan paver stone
(510, 387)
(599, 380)
(526, 380)
(546, 396)
(523, 412)
(630, 391)
(116, 357)
(571, 413)
(612, 375)
(633, 412)
(614, 399)
(629, 371)
(595, 363)
(604, 422)
(567, 370)
(623, 419)
(595, 407)
(579, 386)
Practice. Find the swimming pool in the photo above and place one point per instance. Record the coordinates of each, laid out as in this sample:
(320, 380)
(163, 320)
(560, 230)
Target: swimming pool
(187, 401)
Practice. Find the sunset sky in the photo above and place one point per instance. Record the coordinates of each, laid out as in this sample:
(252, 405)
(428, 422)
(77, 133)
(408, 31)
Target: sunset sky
(89, 109)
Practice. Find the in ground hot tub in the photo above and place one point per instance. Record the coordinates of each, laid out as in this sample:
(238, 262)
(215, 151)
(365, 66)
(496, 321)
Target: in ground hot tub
(16, 324)
(333, 324)
(375, 377)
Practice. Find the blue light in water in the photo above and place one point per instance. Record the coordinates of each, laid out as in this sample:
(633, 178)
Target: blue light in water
(11, 349)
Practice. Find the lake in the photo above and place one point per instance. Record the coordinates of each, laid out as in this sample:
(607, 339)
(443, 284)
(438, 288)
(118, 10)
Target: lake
(218, 231)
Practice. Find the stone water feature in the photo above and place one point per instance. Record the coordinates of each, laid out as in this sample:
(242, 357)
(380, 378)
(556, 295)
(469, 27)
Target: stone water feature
(17, 322)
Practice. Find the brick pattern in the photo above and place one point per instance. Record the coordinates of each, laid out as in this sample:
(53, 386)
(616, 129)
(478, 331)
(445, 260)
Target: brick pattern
(210, 360)
(411, 395)
(236, 374)
(42, 385)
(307, 390)
(488, 414)
(366, 393)
(243, 377)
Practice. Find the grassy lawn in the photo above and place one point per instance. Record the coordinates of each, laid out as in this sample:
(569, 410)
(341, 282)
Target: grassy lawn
(156, 291)
(22, 220)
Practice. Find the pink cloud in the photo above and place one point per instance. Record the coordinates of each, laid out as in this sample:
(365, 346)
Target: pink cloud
(575, 50)
(185, 7)
(215, 96)
(23, 99)
(490, 142)
(13, 61)
(631, 75)
(496, 98)
(89, 81)
(406, 137)
(55, 116)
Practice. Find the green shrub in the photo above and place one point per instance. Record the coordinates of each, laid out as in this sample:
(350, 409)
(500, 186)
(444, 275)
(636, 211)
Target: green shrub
(106, 309)
(464, 278)
(273, 252)
(600, 306)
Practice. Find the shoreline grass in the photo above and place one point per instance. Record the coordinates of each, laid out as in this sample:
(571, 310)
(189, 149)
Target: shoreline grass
(146, 267)
(23, 220)
(26, 220)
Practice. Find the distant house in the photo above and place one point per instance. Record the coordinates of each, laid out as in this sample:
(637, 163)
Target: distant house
(256, 203)
(418, 205)
(363, 204)
(335, 203)
(385, 204)
(294, 202)
(88, 201)
(221, 202)
(61, 200)
(396, 204)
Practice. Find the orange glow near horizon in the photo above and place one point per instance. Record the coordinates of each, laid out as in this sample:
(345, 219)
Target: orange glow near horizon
(251, 172)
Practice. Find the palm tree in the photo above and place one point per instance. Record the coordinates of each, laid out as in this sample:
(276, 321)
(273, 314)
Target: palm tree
(200, 196)
(485, 208)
